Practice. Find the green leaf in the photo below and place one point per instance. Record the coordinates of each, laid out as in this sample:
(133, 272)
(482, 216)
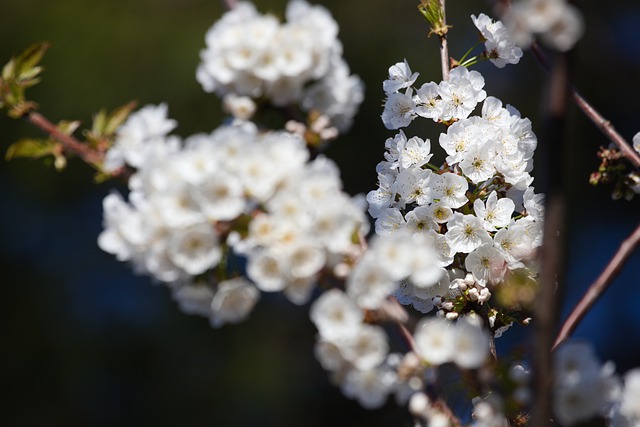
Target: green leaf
(117, 117)
(99, 122)
(29, 74)
(68, 127)
(101, 177)
(32, 148)
(9, 70)
(31, 57)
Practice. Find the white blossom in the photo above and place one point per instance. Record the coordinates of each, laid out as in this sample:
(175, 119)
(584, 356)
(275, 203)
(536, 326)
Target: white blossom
(233, 301)
(370, 387)
(399, 110)
(195, 249)
(495, 212)
(336, 315)
(486, 264)
(434, 339)
(400, 77)
(466, 232)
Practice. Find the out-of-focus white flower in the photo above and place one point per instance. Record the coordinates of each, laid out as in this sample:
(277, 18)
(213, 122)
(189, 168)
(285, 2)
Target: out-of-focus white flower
(636, 142)
(194, 298)
(499, 45)
(240, 107)
(336, 316)
(370, 387)
(195, 249)
(558, 23)
(367, 349)
(583, 387)
(233, 301)
(470, 344)
(143, 132)
(299, 61)
(434, 339)
(630, 403)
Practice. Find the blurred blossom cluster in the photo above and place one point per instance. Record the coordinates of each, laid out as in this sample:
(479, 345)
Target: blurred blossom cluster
(499, 46)
(298, 62)
(194, 204)
(586, 389)
(556, 23)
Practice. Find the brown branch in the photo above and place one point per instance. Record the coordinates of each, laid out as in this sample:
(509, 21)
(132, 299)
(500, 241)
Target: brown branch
(69, 143)
(407, 337)
(552, 252)
(592, 114)
(598, 287)
(230, 4)
(444, 46)
(438, 402)
(607, 129)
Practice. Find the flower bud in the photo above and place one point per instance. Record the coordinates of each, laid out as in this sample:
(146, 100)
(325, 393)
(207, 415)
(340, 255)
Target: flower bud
(452, 315)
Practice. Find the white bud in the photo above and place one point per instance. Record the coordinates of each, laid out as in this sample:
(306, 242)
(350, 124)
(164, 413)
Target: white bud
(484, 295)
(469, 280)
(448, 305)
(452, 315)
(419, 405)
(341, 270)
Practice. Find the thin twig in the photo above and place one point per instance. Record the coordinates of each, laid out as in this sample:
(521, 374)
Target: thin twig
(598, 287)
(69, 143)
(607, 129)
(444, 46)
(439, 402)
(230, 4)
(592, 114)
(407, 337)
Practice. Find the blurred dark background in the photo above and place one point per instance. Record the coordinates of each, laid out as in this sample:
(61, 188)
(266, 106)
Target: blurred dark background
(86, 343)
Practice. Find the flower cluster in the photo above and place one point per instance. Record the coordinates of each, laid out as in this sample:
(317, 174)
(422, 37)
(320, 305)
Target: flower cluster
(298, 62)
(499, 46)
(354, 352)
(479, 208)
(235, 192)
(586, 389)
(358, 353)
(557, 23)
(439, 341)
(451, 99)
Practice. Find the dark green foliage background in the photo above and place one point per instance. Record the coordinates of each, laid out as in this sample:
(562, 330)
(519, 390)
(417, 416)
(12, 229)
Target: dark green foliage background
(84, 343)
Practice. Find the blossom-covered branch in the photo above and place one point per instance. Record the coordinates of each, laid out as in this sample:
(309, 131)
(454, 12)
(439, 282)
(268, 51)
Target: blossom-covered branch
(463, 250)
